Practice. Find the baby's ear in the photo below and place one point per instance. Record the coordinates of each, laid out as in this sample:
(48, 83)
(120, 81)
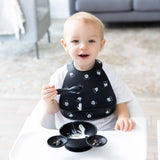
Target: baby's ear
(102, 44)
(64, 44)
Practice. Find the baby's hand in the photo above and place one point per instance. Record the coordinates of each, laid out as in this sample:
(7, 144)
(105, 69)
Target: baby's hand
(125, 124)
(48, 93)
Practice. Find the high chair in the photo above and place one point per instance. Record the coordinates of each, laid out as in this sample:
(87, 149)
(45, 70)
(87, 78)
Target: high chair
(42, 123)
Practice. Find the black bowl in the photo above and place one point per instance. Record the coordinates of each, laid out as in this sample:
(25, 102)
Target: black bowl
(57, 141)
(96, 141)
(77, 144)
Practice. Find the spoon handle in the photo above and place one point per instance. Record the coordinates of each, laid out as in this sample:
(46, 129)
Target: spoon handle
(62, 91)
(73, 90)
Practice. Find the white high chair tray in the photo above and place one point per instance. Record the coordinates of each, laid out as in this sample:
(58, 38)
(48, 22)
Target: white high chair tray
(121, 145)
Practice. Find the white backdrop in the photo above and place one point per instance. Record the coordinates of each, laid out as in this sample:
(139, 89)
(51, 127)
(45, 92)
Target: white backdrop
(59, 8)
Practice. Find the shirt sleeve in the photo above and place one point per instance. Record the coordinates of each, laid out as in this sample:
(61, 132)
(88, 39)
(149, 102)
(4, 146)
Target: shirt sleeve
(121, 90)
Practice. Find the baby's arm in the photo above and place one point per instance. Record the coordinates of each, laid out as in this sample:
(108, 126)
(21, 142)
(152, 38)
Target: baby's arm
(48, 94)
(124, 122)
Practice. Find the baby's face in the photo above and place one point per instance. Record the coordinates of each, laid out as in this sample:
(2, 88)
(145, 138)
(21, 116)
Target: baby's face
(83, 41)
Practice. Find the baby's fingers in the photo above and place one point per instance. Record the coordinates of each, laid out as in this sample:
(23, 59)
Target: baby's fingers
(46, 90)
(122, 125)
(132, 125)
(129, 125)
(126, 126)
(49, 95)
(119, 125)
(45, 87)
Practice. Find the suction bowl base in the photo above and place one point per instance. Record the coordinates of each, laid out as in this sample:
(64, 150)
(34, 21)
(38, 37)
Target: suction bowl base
(78, 149)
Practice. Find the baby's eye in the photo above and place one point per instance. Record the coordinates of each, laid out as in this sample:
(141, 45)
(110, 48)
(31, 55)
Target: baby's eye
(92, 41)
(75, 41)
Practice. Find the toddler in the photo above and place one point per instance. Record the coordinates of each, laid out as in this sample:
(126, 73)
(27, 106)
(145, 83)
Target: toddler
(103, 97)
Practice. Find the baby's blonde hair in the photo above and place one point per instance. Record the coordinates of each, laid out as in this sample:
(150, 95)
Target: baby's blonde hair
(85, 18)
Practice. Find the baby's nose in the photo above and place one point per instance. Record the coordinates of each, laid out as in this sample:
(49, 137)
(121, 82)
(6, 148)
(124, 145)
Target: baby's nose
(83, 46)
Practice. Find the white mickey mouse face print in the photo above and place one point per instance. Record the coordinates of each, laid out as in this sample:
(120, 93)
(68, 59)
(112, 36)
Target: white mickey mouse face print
(109, 99)
(95, 90)
(71, 75)
(89, 115)
(108, 111)
(79, 107)
(98, 72)
(66, 103)
(105, 83)
(79, 99)
(86, 76)
(93, 103)
(70, 114)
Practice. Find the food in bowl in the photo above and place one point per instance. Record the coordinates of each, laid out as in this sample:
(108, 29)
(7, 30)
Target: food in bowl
(76, 133)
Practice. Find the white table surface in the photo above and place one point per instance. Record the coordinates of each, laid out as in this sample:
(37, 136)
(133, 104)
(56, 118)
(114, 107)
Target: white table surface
(158, 137)
(32, 145)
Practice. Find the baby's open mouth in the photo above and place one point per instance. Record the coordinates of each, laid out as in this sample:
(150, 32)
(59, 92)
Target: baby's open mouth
(84, 55)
